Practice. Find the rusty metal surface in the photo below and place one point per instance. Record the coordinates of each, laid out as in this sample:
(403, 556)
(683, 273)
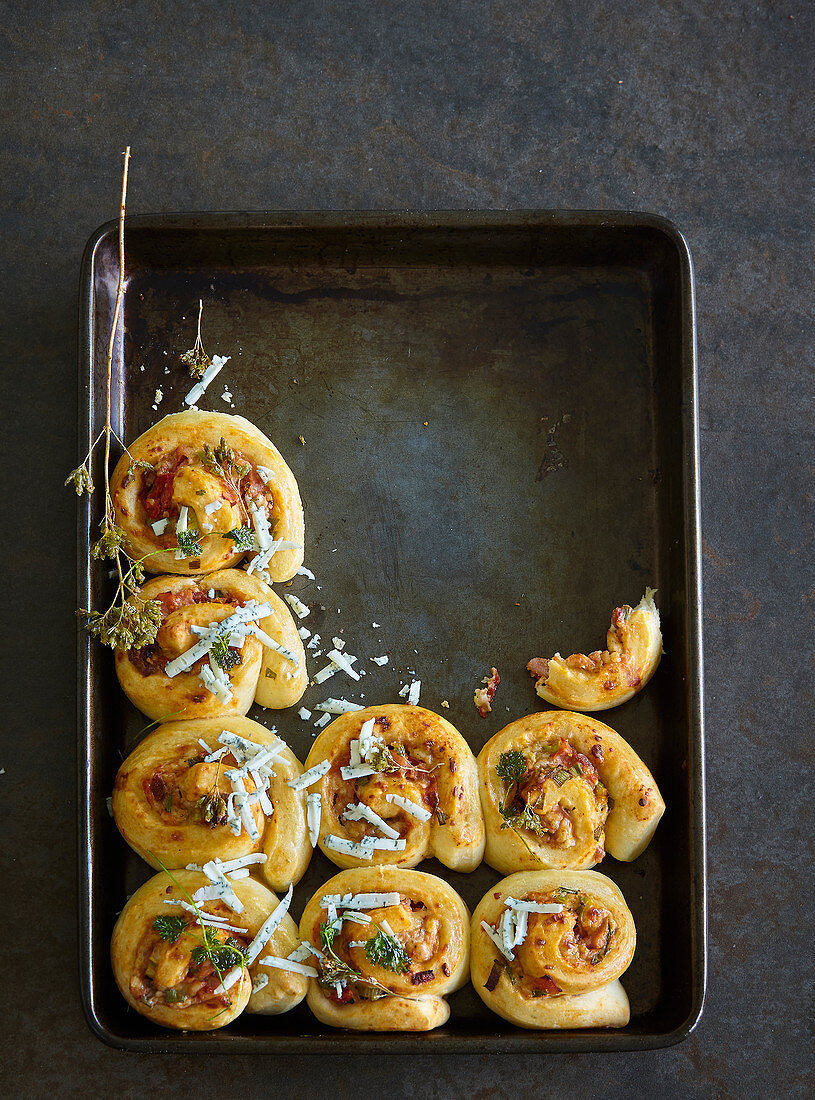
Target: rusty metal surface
(499, 416)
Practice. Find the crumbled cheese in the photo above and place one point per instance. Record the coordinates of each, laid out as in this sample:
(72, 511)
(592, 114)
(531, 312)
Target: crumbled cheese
(304, 632)
(383, 660)
(213, 506)
(158, 397)
(404, 690)
(303, 572)
(386, 844)
(304, 714)
(265, 473)
(199, 389)
(315, 641)
(413, 693)
(326, 718)
(413, 808)
(297, 606)
(160, 526)
(311, 776)
(181, 522)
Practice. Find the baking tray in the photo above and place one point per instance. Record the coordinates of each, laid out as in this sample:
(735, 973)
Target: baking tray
(500, 422)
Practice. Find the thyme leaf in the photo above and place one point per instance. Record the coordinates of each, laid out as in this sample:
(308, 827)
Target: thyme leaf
(81, 480)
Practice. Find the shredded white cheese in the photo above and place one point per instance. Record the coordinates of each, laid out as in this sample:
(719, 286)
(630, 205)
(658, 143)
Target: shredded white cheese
(361, 901)
(532, 906)
(361, 812)
(199, 389)
(269, 927)
(311, 776)
(297, 606)
(289, 964)
(363, 850)
(496, 939)
(338, 706)
(314, 807)
(421, 813)
(344, 661)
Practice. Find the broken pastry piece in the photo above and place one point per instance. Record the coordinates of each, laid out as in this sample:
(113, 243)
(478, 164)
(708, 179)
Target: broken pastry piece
(604, 679)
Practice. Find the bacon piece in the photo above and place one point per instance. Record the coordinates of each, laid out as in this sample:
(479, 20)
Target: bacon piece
(422, 977)
(538, 668)
(484, 696)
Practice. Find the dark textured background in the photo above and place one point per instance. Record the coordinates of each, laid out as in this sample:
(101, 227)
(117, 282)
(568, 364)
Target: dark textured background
(697, 110)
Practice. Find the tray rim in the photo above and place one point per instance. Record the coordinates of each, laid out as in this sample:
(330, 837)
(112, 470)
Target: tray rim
(519, 1041)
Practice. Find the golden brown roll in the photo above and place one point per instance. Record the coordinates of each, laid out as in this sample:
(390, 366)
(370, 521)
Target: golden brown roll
(557, 788)
(234, 666)
(391, 944)
(397, 784)
(214, 788)
(208, 475)
(548, 948)
(605, 679)
(193, 966)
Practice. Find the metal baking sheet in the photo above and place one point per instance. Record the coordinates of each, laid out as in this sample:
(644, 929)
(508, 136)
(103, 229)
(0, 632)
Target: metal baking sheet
(499, 413)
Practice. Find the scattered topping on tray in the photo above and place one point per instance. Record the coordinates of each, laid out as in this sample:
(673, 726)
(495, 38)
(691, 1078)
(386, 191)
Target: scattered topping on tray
(484, 695)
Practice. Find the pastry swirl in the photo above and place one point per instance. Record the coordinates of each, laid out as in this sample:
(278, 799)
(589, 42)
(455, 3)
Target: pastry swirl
(174, 806)
(392, 972)
(605, 679)
(182, 975)
(556, 968)
(250, 669)
(558, 788)
(219, 469)
(414, 794)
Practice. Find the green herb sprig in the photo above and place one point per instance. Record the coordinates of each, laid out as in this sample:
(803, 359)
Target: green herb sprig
(388, 953)
(243, 537)
(170, 928)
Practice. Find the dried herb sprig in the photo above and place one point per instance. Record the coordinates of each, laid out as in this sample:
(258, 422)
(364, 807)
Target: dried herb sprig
(196, 358)
(129, 621)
